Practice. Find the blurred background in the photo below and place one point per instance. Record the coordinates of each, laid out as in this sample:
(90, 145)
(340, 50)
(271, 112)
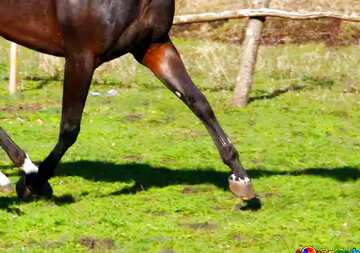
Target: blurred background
(293, 51)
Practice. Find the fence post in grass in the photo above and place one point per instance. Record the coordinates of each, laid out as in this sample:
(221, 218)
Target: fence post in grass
(13, 82)
(249, 55)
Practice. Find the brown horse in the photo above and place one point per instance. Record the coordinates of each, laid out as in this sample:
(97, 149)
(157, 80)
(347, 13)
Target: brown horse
(88, 33)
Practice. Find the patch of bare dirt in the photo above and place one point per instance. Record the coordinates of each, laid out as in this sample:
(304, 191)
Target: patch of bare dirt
(95, 243)
(207, 226)
(133, 158)
(158, 213)
(132, 117)
(196, 189)
(166, 251)
(23, 108)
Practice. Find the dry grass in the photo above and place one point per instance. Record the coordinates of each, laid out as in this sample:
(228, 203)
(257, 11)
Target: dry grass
(215, 65)
(277, 30)
(188, 6)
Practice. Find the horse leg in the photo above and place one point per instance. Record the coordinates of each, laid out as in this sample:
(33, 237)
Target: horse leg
(5, 184)
(17, 156)
(165, 62)
(79, 70)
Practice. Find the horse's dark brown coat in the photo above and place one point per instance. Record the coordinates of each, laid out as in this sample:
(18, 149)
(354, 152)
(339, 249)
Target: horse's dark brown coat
(90, 32)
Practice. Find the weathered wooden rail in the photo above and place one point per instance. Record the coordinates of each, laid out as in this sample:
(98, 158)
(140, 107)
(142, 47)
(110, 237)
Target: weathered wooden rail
(262, 12)
(257, 18)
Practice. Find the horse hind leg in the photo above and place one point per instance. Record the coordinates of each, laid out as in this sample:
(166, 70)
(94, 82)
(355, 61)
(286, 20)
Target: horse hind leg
(165, 62)
(17, 156)
(15, 153)
(5, 184)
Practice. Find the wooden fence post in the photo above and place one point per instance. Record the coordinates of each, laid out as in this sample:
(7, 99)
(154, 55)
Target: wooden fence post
(13, 68)
(249, 56)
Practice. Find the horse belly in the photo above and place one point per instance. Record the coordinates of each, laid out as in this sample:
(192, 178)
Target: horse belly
(31, 23)
(94, 24)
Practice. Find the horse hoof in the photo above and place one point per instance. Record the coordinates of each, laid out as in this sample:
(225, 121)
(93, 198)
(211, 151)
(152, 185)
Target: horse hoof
(22, 190)
(25, 192)
(6, 188)
(253, 204)
(241, 188)
(46, 190)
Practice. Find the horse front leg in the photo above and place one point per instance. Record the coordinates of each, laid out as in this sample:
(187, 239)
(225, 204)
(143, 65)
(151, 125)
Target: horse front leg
(165, 62)
(79, 70)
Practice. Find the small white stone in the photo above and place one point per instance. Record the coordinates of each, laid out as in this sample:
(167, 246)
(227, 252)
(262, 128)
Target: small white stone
(178, 94)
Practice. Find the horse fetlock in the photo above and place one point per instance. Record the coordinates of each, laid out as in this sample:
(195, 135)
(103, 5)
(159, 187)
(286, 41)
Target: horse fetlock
(22, 190)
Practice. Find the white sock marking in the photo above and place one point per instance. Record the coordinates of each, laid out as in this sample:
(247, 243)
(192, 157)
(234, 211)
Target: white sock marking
(28, 166)
(244, 180)
(4, 181)
(233, 177)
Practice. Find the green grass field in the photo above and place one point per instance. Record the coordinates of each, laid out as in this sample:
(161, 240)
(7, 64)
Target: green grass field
(144, 175)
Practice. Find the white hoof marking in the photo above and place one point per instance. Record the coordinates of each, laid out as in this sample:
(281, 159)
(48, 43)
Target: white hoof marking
(244, 180)
(4, 180)
(28, 166)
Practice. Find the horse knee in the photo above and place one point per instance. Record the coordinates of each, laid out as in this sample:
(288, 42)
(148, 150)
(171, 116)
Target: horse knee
(69, 134)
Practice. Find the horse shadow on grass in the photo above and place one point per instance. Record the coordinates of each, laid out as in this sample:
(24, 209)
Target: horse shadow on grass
(9, 204)
(146, 176)
(311, 83)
